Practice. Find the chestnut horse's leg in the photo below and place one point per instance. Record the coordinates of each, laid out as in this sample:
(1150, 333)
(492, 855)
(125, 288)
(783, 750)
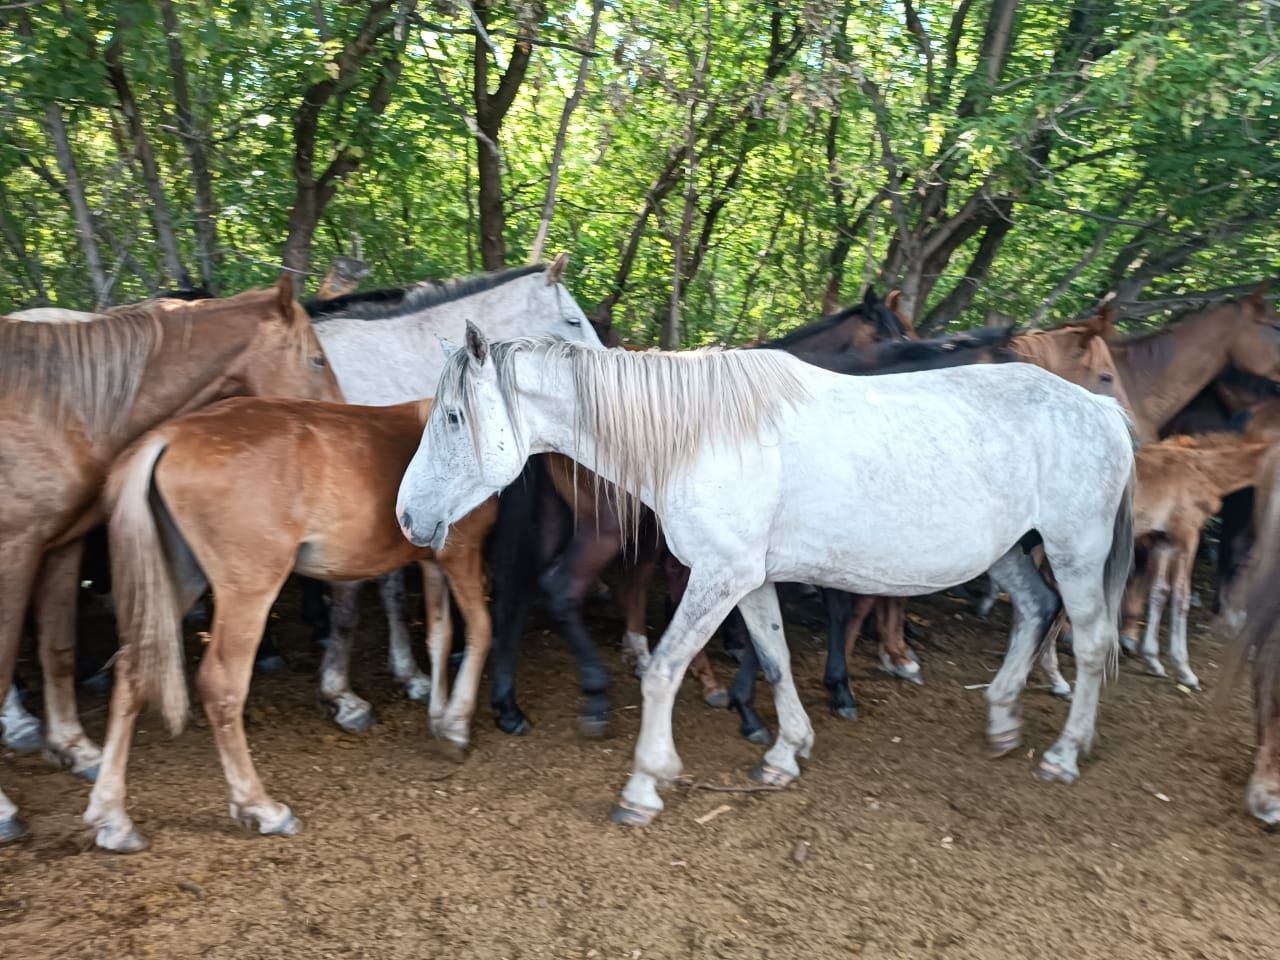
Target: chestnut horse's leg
(404, 667)
(835, 677)
(55, 605)
(896, 658)
(1184, 556)
(18, 562)
(862, 607)
(223, 681)
(1263, 795)
(633, 590)
(463, 562)
(106, 811)
(352, 713)
(1159, 595)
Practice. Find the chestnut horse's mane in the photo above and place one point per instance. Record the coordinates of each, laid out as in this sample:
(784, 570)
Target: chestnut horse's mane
(83, 372)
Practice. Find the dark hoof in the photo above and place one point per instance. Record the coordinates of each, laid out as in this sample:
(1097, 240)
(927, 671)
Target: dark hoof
(594, 726)
(758, 735)
(1000, 744)
(12, 829)
(770, 776)
(513, 724)
(269, 665)
(89, 773)
(100, 682)
(719, 699)
(625, 815)
(455, 659)
(845, 713)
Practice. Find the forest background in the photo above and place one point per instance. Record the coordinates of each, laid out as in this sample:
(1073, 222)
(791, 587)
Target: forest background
(717, 171)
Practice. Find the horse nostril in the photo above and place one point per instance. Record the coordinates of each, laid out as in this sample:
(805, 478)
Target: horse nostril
(406, 521)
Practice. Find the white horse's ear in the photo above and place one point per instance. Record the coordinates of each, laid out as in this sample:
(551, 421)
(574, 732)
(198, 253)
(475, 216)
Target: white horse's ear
(477, 345)
(556, 270)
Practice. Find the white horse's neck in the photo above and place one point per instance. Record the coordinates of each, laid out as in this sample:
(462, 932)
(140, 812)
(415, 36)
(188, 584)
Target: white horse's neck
(400, 359)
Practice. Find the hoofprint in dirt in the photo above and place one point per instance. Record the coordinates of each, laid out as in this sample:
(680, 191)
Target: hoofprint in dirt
(901, 840)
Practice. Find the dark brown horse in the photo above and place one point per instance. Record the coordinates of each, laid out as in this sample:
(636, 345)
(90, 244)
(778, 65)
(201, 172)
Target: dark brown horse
(236, 497)
(72, 396)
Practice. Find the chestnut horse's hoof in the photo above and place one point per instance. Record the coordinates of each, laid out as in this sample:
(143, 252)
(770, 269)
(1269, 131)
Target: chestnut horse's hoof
(281, 823)
(12, 829)
(770, 776)
(719, 699)
(1000, 744)
(629, 815)
(116, 840)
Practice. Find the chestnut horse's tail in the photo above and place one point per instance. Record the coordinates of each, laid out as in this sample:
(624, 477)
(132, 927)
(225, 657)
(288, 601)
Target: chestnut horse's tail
(147, 598)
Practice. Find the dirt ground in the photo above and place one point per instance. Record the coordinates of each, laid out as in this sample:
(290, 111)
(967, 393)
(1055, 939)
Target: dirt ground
(901, 839)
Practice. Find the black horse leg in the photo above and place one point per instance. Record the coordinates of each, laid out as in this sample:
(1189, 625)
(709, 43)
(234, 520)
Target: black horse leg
(563, 587)
(836, 675)
(1233, 541)
(742, 695)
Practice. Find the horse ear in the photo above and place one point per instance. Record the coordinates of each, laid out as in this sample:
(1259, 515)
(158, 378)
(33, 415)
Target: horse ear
(556, 270)
(477, 345)
(891, 301)
(1101, 324)
(869, 298)
(284, 295)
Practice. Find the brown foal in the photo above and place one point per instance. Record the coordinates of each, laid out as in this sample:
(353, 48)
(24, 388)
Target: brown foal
(72, 396)
(237, 496)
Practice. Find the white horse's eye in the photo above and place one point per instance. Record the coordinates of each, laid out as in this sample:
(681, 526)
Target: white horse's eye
(573, 321)
(454, 417)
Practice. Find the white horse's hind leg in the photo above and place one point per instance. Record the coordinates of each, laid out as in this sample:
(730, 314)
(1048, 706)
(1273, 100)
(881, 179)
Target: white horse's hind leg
(400, 658)
(22, 730)
(707, 601)
(1034, 607)
(352, 713)
(1096, 640)
(760, 610)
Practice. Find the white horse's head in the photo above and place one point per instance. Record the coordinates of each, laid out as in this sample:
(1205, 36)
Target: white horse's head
(550, 310)
(471, 447)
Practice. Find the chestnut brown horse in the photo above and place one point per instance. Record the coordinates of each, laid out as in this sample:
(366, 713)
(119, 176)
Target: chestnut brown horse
(1181, 483)
(1257, 603)
(236, 497)
(72, 396)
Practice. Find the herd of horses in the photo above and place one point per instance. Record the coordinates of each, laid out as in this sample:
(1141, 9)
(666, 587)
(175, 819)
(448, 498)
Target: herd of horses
(482, 430)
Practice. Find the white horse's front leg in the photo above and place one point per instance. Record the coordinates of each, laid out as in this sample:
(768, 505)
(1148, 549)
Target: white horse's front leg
(706, 602)
(760, 610)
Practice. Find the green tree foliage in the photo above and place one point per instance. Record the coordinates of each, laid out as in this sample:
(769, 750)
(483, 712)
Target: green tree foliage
(984, 155)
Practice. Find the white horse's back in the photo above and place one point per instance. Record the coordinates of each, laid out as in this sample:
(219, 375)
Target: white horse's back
(54, 315)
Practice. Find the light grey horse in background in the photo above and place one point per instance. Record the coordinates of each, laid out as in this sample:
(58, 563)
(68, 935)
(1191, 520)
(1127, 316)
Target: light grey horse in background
(761, 469)
(385, 354)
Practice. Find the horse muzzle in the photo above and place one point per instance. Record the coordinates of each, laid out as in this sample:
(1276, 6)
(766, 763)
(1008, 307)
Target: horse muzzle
(422, 533)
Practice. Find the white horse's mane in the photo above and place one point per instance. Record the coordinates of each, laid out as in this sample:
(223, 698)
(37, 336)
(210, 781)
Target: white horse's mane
(650, 414)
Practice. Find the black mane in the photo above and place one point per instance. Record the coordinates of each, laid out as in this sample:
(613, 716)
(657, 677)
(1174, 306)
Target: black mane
(888, 326)
(392, 303)
(907, 356)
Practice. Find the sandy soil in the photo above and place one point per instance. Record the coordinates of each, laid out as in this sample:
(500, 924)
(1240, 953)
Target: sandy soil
(901, 839)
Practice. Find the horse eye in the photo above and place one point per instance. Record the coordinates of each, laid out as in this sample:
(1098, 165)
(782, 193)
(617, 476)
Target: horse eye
(454, 417)
(1106, 378)
(319, 362)
(573, 321)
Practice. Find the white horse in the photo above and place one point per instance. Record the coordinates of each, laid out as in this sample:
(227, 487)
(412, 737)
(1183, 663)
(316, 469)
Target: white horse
(762, 468)
(386, 354)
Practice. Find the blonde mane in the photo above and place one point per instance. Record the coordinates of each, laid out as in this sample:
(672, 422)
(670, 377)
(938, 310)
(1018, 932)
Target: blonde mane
(649, 415)
(87, 372)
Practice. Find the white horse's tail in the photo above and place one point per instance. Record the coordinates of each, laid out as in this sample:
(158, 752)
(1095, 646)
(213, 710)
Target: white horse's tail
(1119, 563)
(147, 600)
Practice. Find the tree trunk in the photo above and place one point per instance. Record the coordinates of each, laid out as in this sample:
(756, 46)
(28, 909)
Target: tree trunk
(79, 206)
(491, 108)
(553, 181)
(193, 143)
(312, 192)
(160, 216)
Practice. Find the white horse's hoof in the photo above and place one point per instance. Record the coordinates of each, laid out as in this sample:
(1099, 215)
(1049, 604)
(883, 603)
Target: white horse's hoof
(24, 739)
(1057, 771)
(632, 815)
(1129, 645)
(1000, 744)
(1189, 679)
(719, 699)
(353, 717)
(1154, 666)
(12, 829)
(770, 776)
(1061, 690)
(418, 689)
(1265, 806)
